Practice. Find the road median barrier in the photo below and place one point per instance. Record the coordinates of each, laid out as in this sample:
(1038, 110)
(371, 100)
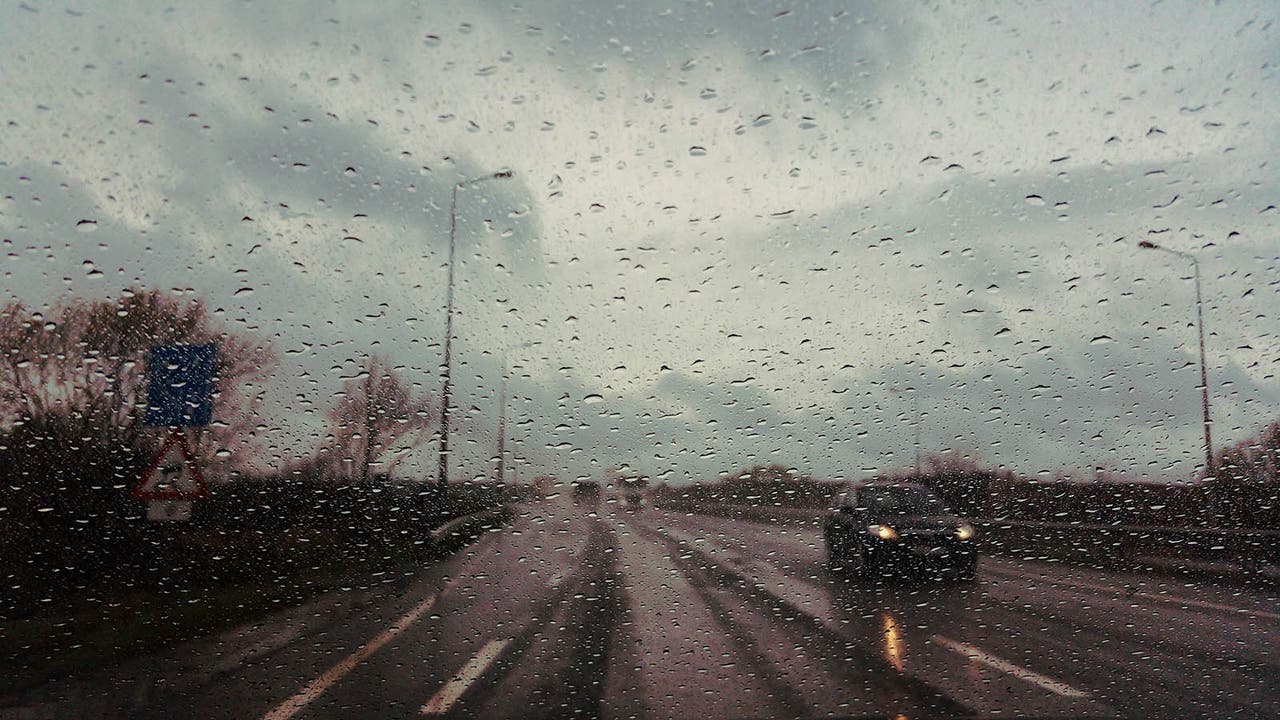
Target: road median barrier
(1243, 554)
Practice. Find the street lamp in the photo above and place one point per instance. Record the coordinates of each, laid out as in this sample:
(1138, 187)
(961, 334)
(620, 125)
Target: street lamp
(442, 470)
(1204, 377)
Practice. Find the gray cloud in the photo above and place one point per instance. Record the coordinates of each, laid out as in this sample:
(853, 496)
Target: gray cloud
(957, 214)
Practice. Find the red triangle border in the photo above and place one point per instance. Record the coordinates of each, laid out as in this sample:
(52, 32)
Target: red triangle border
(201, 490)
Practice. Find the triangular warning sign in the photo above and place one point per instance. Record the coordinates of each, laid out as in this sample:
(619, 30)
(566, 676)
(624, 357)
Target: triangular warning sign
(172, 474)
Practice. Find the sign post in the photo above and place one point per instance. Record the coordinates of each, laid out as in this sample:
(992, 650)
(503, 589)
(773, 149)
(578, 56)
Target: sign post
(179, 395)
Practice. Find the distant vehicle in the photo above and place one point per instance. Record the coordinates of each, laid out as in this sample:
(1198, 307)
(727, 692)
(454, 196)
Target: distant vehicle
(632, 500)
(879, 529)
(586, 492)
(632, 489)
(543, 485)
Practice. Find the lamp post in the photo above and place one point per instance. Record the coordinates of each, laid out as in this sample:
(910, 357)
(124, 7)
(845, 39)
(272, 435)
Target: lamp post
(442, 470)
(1210, 471)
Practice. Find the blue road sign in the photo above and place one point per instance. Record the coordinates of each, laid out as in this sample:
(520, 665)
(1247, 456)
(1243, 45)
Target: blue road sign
(180, 384)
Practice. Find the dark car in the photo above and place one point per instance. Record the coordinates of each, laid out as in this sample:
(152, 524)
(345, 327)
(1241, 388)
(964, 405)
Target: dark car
(897, 529)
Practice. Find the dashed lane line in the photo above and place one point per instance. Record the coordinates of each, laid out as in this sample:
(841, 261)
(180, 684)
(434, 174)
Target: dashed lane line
(981, 656)
(450, 692)
(317, 687)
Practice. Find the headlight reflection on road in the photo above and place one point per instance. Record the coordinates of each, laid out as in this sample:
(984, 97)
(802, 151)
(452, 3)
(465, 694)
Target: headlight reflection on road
(894, 648)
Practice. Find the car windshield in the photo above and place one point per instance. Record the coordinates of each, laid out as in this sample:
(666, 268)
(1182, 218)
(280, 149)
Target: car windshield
(901, 501)
(525, 359)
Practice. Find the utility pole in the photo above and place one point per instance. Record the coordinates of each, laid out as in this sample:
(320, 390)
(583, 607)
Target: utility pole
(502, 430)
(916, 399)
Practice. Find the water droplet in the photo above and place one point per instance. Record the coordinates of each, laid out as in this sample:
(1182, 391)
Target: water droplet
(1035, 200)
(592, 399)
(1101, 340)
(697, 151)
(87, 226)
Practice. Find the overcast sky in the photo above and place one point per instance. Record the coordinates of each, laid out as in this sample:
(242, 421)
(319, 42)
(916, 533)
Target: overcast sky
(737, 233)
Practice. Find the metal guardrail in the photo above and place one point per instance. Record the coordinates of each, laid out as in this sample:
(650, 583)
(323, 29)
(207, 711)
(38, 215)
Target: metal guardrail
(750, 512)
(1148, 529)
(451, 527)
(1248, 550)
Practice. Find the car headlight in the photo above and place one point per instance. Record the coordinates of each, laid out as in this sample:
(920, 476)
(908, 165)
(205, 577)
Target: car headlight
(884, 532)
(965, 531)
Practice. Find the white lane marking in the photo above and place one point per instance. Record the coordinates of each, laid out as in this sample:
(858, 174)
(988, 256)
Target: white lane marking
(449, 693)
(1120, 592)
(317, 687)
(272, 643)
(978, 655)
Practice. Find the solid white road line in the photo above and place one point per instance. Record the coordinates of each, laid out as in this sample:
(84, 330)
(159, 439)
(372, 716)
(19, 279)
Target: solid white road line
(317, 687)
(447, 695)
(1002, 665)
(1186, 602)
(1121, 592)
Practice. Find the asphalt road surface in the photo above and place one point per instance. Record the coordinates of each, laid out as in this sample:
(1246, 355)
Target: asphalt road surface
(572, 613)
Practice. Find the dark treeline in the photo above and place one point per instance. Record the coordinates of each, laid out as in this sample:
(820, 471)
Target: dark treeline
(761, 485)
(1200, 504)
(1247, 499)
(73, 441)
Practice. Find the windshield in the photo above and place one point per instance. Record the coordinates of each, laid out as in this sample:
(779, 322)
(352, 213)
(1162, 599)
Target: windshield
(522, 358)
(901, 501)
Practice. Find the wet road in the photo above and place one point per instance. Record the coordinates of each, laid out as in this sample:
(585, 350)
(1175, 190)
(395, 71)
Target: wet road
(653, 614)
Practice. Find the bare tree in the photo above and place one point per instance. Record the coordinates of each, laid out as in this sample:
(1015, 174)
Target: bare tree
(72, 419)
(81, 364)
(375, 412)
(952, 462)
(1255, 460)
